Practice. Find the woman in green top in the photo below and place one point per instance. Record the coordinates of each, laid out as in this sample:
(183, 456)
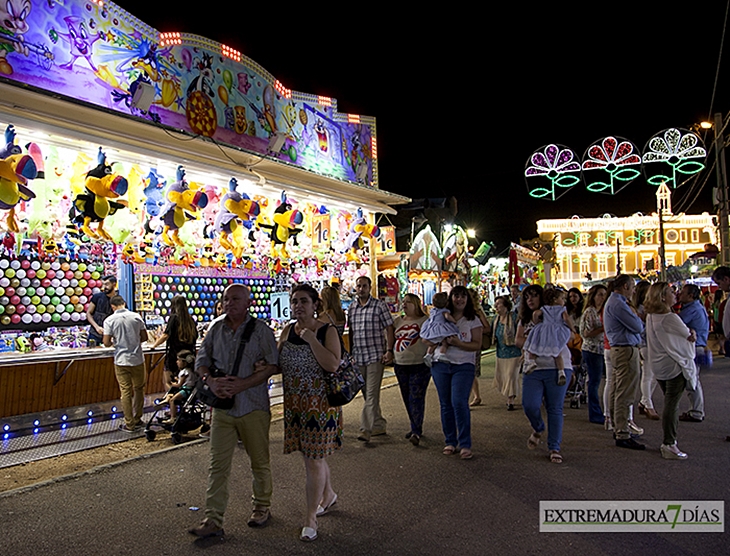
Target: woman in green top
(507, 363)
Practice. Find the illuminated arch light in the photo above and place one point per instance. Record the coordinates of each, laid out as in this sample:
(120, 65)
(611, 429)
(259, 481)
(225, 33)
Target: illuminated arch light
(672, 152)
(167, 39)
(283, 91)
(231, 53)
(353, 119)
(610, 164)
(324, 101)
(551, 171)
(374, 147)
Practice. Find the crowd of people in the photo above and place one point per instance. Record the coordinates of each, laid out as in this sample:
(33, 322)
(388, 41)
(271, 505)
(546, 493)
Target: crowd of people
(632, 336)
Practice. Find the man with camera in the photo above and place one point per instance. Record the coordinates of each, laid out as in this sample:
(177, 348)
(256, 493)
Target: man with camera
(249, 417)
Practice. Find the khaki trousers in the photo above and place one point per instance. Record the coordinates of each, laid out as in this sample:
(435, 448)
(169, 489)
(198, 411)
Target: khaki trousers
(253, 431)
(131, 385)
(626, 377)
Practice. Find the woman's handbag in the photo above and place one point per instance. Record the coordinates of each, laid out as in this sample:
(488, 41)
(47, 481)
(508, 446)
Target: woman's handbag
(343, 385)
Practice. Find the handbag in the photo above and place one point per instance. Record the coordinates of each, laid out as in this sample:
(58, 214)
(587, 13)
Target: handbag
(343, 385)
(205, 394)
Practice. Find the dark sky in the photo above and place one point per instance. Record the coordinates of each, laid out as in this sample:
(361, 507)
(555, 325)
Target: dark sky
(462, 99)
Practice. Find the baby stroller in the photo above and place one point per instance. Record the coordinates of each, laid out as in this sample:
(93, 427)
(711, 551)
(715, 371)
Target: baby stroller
(577, 391)
(190, 416)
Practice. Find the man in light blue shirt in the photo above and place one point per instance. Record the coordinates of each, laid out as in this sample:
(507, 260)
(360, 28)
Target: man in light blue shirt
(694, 315)
(623, 327)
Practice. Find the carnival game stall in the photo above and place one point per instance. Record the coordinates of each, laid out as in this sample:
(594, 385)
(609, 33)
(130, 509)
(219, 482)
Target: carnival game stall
(176, 164)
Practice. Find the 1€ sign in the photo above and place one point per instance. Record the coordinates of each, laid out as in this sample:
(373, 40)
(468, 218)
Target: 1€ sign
(386, 242)
(280, 306)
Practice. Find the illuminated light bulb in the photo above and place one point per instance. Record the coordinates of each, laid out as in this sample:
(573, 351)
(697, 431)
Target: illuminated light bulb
(89, 421)
(64, 417)
(89, 413)
(64, 426)
(35, 431)
(6, 428)
(114, 408)
(36, 422)
(706, 125)
(6, 436)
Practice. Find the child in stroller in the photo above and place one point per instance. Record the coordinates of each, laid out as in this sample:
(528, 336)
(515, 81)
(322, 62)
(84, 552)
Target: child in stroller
(182, 386)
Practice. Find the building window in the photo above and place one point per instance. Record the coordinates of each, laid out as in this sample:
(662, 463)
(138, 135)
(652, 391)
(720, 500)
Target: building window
(695, 234)
(602, 267)
(669, 260)
(585, 266)
(683, 236)
(584, 237)
(649, 236)
(601, 238)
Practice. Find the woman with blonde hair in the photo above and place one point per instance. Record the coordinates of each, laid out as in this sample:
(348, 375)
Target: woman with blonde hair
(671, 351)
(332, 312)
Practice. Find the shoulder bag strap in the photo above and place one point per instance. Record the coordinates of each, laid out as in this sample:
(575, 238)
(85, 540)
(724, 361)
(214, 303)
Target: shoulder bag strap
(245, 337)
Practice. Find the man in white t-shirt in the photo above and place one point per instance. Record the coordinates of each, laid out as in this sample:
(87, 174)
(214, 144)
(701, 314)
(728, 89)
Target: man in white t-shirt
(125, 330)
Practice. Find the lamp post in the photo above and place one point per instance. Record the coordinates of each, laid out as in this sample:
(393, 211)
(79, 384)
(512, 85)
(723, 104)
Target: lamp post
(721, 174)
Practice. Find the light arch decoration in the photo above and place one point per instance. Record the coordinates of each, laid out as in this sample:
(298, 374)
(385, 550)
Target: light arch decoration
(551, 171)
(610, 164)
(672, 154)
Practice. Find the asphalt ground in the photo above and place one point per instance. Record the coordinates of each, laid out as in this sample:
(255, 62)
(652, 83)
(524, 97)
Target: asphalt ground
(394, 498)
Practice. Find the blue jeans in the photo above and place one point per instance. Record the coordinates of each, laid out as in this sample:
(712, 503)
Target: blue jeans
(539, 385)
(453, 384)
(413, 381)
(595, 366)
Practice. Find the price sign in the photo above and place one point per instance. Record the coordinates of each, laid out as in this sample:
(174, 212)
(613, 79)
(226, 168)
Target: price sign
(280, 306)
(386, 242)
(321, 231)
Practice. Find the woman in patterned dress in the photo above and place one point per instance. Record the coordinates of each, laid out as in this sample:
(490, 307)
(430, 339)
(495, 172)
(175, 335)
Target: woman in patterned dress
(308, 349)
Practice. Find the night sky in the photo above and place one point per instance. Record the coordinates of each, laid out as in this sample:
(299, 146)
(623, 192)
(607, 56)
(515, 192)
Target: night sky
(463, 99)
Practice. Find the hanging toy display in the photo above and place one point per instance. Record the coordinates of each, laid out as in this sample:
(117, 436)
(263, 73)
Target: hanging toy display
(286, 219)
(182, 204)
(234, 206)
(360, 230)
(94, 205)
(15, 171)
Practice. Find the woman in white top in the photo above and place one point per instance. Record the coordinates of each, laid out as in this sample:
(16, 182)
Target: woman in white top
(454, 380)
(412, 373)
(671, 352)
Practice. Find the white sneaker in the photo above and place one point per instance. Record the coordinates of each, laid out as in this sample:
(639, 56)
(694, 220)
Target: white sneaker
(607, 424)
(635, 429)
(672, 452)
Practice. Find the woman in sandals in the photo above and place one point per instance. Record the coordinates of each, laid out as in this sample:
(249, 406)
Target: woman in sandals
(308, 349)
(454, 379)
(542, 383)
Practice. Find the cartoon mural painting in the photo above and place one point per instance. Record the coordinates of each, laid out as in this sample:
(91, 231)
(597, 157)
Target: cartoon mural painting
(79, 40)
(13, 27)
(199, 108)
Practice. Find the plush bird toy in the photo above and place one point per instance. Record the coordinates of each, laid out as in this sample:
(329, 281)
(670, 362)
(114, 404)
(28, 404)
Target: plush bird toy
(359, 231)
(285, 219)
(94, 205)
(15, 171)
(182, 203)
(235, 206)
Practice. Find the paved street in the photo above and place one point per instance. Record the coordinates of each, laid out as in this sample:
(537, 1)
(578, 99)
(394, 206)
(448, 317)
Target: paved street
(393, 498)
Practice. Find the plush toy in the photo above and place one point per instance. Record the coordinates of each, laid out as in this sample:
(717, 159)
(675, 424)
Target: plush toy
(155, 198)
(285, 220)
(359, 231)
(15, 171)
(235, 206)
(94, 205)
(182, 203)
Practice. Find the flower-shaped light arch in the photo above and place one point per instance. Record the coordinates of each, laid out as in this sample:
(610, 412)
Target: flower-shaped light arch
(610, 164)
(672, 153)
(551, 171)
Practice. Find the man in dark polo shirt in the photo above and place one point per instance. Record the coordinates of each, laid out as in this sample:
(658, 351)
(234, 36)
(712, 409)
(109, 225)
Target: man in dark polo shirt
(99, 309)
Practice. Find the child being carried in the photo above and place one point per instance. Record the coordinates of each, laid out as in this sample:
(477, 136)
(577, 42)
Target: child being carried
(549, 337)
(439, 326)
(183, 384)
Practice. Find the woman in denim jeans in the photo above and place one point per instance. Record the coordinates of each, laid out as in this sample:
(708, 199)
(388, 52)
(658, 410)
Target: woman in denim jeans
(542, 383)
(453, 374)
